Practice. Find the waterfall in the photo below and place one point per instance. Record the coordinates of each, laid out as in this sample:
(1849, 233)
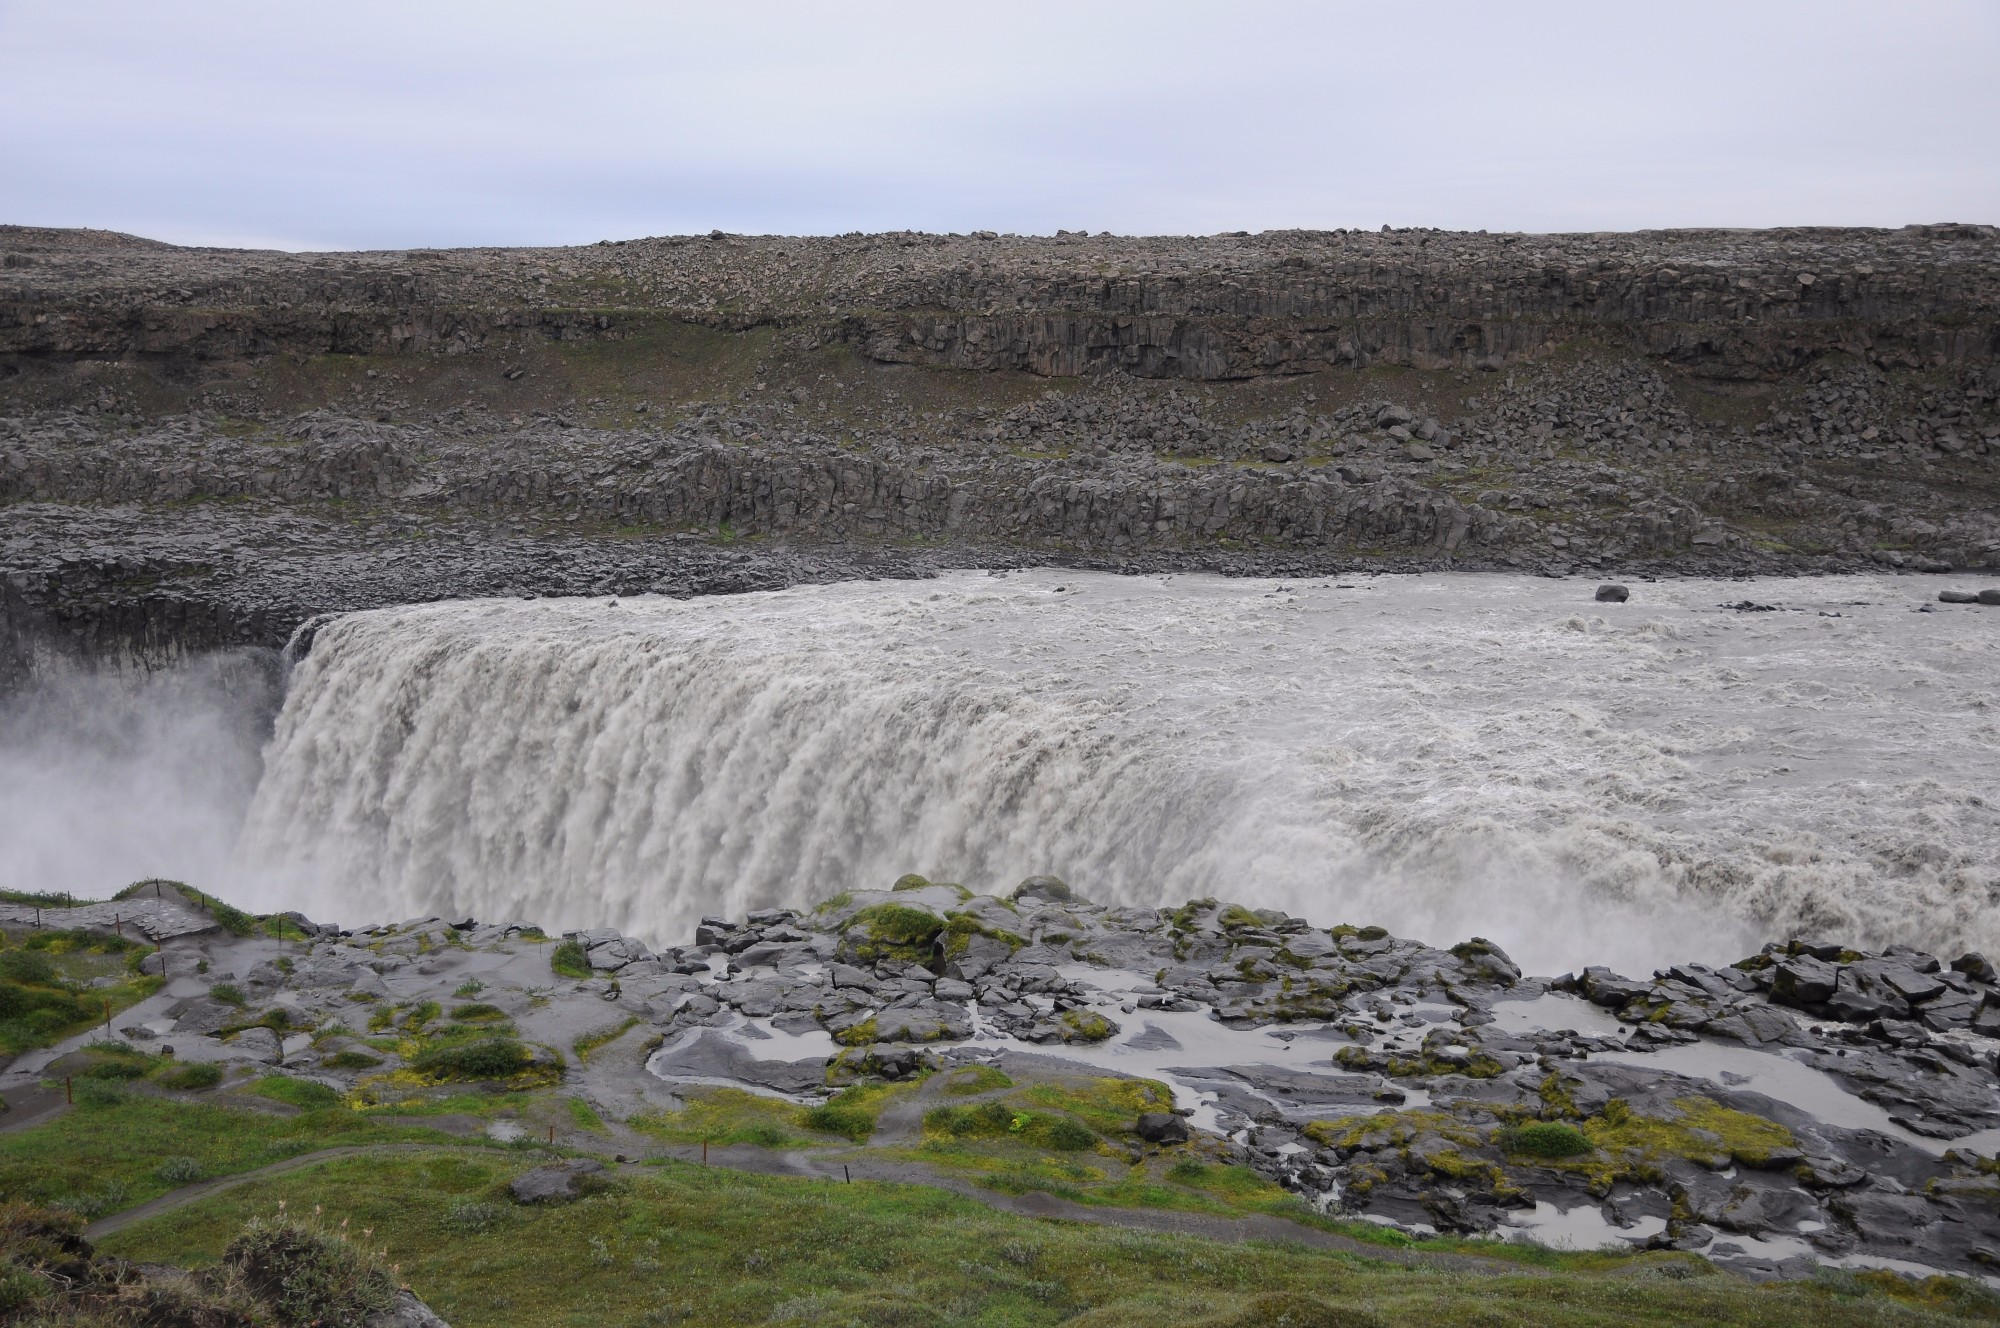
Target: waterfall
(1443, 756)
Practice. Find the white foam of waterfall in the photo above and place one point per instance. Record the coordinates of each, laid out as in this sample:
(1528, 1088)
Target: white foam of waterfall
(1442, 755)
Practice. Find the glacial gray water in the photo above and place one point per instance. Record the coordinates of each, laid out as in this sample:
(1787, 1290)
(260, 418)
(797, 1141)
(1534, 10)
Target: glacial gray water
(1441, 755)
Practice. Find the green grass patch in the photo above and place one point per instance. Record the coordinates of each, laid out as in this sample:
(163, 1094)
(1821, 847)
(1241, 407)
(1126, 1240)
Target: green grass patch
(852, 1112)
(568, 960)
(55, 984)
(481, 1059)
(1545, 1139)
(974, 1079)
(584, 1115)
(191, 1075)
(305, 1094)
(591, 1041)
(728, 1116)
(102, 1157)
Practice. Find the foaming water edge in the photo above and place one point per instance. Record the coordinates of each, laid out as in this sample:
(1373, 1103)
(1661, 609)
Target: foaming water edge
(1443, 756)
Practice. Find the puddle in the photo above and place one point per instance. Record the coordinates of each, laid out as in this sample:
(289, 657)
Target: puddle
(1583, 1227)
(1779, 1077)
(1554, 1012)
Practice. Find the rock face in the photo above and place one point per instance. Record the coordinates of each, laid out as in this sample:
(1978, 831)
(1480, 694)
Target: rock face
(203, 447)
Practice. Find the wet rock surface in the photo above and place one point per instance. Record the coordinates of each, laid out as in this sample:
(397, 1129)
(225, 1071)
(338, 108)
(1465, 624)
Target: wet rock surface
(1810, 1102)
(205, 447)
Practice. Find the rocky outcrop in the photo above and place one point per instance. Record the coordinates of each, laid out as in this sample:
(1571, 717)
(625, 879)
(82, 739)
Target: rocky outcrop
(1808, 1102)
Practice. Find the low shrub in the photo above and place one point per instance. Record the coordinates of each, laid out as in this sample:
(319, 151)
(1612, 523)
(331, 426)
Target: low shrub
(119, 1068)
(568, 960)
(351, 1059)
(487, 1058)
(477, 1011)
(308, 1276)
(194, 1074)
(472, 1216)
(1545, 1139)
(987, 1120)
(1068, 1134)
(229, 993)
(179, 1171)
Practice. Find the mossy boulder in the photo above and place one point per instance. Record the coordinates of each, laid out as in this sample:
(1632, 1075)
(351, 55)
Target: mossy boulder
(891, 931)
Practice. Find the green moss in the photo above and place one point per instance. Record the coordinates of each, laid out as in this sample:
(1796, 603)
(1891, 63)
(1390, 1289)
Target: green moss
(960, 928)
(858, 1035)
(1085, 1026)
(351, 1058)
(584, 1116)
(1700, 1128)
(477, 1012)
(892, 931)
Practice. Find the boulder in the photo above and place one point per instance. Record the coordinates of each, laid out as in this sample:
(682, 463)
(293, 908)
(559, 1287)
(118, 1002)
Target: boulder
(406, 1311)
(554, 1183)
(1613, 594)
(1047, 889)
(259, 1044)
(1161, 1127)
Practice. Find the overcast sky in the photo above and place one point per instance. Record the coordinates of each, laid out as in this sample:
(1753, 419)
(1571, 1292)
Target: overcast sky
(365, 125)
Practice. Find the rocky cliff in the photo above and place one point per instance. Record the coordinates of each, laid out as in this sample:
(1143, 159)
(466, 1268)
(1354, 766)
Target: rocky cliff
(205, 446)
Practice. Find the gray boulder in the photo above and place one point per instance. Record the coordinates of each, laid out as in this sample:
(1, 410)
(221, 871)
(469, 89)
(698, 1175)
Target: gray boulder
(1161, 1127)
(554, 1183)
(406, 1311)
(259, 1044)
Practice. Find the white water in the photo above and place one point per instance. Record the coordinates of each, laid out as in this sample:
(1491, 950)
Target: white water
(1441, 755)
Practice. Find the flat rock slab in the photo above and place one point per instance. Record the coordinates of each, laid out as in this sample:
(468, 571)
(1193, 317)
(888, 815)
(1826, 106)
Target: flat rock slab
(555, 1183)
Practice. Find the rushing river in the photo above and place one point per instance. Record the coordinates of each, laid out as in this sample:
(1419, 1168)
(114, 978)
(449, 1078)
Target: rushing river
(1441, 755)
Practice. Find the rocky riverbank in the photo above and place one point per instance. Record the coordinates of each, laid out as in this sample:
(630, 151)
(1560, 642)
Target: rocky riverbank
(203, 448)
(1809, 1103)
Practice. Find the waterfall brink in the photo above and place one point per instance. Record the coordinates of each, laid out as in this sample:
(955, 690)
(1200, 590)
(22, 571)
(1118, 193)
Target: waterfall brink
(1443, 756)
(644, 766)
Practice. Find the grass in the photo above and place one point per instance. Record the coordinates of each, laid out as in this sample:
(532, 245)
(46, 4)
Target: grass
(57, 983)
(728, 1116)
(100, 1158)
(568, 960)
(596, 1038)
(685, 1244)
(305, 1094)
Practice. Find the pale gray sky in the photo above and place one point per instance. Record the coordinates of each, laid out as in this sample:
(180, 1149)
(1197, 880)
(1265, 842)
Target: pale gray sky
(365, 124)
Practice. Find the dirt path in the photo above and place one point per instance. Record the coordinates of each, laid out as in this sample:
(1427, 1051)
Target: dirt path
(857, 1165)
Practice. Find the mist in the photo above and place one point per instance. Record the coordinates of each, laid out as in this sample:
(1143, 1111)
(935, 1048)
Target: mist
(112, 776)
